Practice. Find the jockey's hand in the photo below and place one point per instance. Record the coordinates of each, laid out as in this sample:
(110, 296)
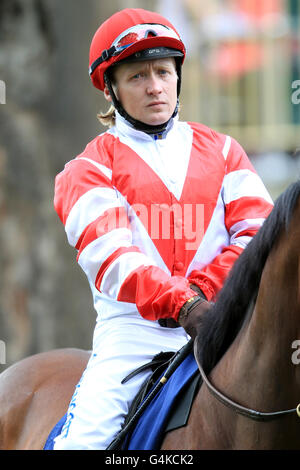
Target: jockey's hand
(168, 323)
(171, 323)
(192, 320)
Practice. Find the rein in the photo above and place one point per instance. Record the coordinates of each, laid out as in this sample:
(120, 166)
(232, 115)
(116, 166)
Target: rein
(242, 410)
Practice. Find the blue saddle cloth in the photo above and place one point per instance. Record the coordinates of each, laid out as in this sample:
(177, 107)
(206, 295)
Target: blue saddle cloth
(54, 433)
(149, 430)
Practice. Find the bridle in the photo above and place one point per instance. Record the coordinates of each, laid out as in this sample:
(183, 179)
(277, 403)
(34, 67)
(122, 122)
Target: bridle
(242, 410)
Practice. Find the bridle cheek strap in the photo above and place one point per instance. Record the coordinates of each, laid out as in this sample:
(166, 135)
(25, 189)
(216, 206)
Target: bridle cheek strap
(236, 407)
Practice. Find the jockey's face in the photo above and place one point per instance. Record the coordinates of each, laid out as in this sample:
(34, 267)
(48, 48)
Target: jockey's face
(147, 90)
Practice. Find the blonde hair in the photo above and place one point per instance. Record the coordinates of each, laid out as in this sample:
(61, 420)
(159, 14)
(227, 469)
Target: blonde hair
(108, 119)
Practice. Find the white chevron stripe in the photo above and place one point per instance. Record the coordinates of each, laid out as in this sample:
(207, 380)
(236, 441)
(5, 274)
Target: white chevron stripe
(168, 158)
(120, 269)
(235, 229)
(87, 209)
(226, 147)
(215, 239)
(99, 166)
(244, 183)
(241, 241)
(141, 238)
(94, 254)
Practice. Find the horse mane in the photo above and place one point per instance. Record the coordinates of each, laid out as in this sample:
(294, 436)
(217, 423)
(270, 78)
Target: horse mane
(221, 324)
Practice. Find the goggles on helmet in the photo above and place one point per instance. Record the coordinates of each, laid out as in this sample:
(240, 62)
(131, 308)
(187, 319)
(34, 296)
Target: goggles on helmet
(130, 36)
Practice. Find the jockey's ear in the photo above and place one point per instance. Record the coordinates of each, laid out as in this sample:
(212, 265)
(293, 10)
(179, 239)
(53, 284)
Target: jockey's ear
(107, 94)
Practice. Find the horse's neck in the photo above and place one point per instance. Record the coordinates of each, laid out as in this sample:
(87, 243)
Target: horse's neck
(258, 369)
(275, 325)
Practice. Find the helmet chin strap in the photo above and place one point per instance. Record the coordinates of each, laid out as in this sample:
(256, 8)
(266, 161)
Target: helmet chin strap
(139, 125)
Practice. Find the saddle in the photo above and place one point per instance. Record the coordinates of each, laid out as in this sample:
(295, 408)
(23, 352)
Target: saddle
(162, 404)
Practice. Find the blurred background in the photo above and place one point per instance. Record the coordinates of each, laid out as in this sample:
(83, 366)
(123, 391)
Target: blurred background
(241, 77)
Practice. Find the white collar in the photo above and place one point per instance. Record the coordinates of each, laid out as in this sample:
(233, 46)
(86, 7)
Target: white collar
(125, 127)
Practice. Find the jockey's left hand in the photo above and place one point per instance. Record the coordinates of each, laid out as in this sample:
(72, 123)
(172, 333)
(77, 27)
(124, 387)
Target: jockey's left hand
(171, 323)
(191, 322)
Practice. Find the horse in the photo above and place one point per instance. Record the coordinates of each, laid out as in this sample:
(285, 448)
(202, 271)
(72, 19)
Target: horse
(244, 347)
(249, 397)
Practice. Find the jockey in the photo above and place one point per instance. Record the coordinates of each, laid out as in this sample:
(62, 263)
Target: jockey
(158, 211)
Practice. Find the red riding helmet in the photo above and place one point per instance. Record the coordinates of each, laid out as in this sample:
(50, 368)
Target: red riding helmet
(128, 32)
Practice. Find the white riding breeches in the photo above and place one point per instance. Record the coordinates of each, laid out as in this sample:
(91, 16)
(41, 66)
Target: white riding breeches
(100, 402)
